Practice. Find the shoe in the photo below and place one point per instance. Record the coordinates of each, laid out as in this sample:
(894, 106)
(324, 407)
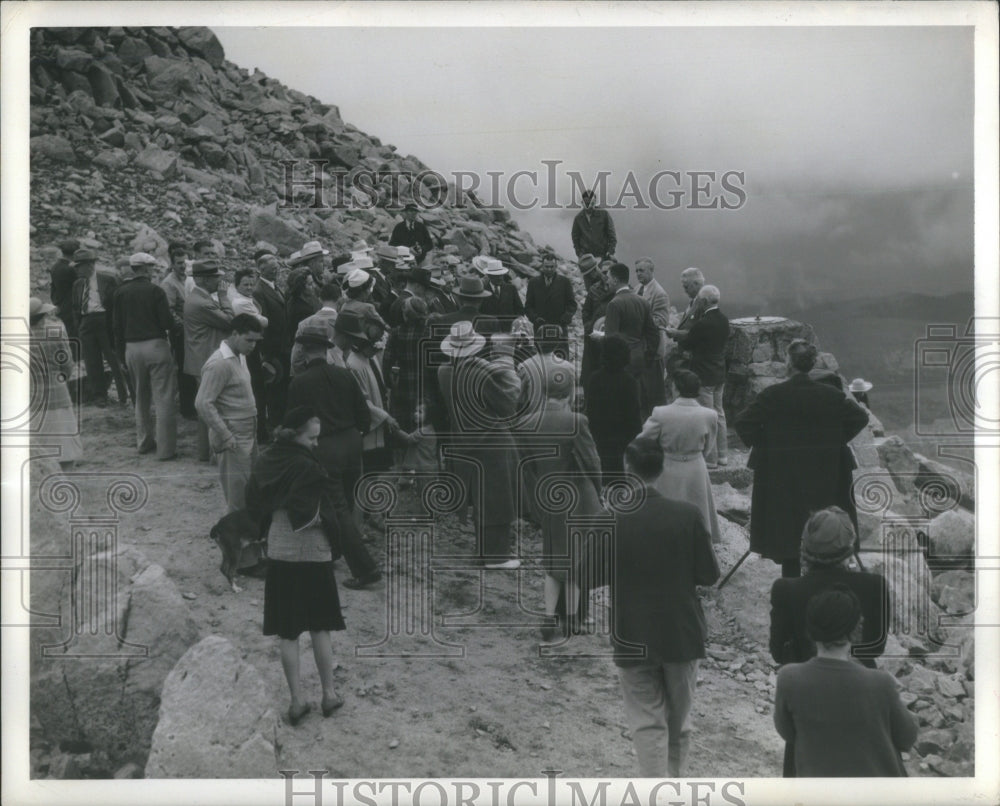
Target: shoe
(712, 467)
(723, 461)
(294, 717)
(331, 705)
(508, 565)
(148, 447)
(359, 584)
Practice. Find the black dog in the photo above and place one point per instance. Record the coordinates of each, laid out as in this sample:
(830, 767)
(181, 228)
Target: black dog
(234, 533)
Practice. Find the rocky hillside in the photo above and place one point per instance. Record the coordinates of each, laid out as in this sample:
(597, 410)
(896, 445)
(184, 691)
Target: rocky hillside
(144, 135)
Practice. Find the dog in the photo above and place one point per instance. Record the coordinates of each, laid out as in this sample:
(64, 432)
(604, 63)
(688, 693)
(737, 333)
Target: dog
(234, 534)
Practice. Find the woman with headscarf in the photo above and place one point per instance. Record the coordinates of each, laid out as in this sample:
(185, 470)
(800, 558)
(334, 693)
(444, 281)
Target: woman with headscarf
(686, 431)
(290, 497)
(53, 420)
(300, 298)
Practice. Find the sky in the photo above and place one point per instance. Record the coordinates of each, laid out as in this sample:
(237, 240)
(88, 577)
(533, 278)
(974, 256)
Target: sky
(853, 146)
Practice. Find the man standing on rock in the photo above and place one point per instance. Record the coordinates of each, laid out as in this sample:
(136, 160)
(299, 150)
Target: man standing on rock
(706, 343)
(412, 233)
(550, 299)
(662, 551)
(593, 230)
(208, 317)
(174, 284)
(93, 299)
(142, 322)
(226, 404)
(796, 432)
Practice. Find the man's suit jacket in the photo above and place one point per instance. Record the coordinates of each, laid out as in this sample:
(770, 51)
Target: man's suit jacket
(630, 317)
(796, 431)
(661, 552)
(206, 324)
(275, 345)
(706, 342)
(555, 303)
(659, 305)
(107, 284)
(419, 236)
(505, 304)
(790, 642)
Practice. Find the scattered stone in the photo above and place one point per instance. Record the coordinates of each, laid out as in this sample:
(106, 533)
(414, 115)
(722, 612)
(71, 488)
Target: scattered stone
(951, 687)
(53, 146)
(934, 741)
(394, 744)
(130, 770)
(155, 159)
(189, 595)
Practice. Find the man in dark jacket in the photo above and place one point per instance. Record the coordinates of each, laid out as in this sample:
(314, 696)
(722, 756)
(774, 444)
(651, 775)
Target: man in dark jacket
(593, 230)
(662, 551)
(505, 303)
(275, 348)
(796, 431)
(61, 288)
(550, 299)
(412, 233)
(706, 344)
(630, 316)
(93, 304)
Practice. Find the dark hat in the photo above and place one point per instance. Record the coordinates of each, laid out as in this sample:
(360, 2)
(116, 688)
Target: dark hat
(471, 287)
(828, 537)
(84, 256)
(587, 263)
(318, 335)
(209, 267)
(419, 275)
(350, 324)
(410, 206)
(833, 614)
(69, 246)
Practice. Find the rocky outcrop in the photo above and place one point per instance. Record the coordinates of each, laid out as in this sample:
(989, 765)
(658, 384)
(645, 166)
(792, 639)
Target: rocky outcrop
(216, 719)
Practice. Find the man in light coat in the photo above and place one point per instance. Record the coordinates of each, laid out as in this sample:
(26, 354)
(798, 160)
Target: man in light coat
(659, 303)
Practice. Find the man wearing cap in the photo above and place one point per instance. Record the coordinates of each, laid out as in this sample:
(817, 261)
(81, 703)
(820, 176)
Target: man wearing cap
(142, 323)
(504, 302)
(208, 318)
(62, 278)
(593, 230)
(226, 404)
(274, 348)
(631, 317)
(93, 302)
(334, 394)
(550, 297)
(412, 233)
(839, 718)
(796, 431)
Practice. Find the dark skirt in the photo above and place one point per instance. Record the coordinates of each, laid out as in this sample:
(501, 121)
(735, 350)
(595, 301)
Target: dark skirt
(300, 597)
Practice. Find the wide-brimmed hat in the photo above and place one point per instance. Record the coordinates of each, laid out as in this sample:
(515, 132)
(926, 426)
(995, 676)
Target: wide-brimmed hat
(318, 335)
(462, 340)
(471, 287)
(489, 266)
(828, 537)
(209, 267)
(362, 246)
(588, 263)
(36, 307)
(420, 275)
(357, 278)
(364, 263)
(309, 250)
(384, 251)
(350, 324)
(404, 253)
(143, 259)
(84, 256)
(859, 385)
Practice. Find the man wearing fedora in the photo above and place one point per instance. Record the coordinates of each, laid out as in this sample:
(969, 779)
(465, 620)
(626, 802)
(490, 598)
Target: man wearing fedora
(226, 404)
(208, 320)
(481, 396)
(550, 298)
(142, 323)
(413, 233)
(504, 304)
(93, 302)
(593, 230)
(311, 256)
(334, 394)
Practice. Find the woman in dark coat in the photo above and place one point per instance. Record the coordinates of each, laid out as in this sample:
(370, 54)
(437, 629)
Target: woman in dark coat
(289, 495)
(402, 363)
(612, 405)
(300, 298)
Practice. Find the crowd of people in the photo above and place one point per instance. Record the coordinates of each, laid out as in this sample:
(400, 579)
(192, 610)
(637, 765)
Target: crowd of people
(304, 375)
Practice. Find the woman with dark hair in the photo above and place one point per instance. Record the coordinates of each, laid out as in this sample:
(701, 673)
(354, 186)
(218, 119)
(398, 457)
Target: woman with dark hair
(841, 719)
(686, 432)
(290, 496)
(53, 421)
(300, 298)
(611, 396)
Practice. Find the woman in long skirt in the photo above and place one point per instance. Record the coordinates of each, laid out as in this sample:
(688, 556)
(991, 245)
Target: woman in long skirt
(289, 496)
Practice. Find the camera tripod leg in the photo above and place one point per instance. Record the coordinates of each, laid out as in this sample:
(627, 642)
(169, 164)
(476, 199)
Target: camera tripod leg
(732, 570)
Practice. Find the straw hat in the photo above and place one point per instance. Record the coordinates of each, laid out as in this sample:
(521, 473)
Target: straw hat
(462, 340)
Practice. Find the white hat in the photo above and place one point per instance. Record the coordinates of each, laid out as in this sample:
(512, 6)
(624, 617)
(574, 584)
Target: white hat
(361, 246)
(143, 259)
(358, 263)
(462, 340)
(859, 385)
(308, 250)
(404, 253)
(357, 278)
(494, 268)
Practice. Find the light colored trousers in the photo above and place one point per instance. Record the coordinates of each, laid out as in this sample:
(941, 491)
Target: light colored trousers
(235, 464)
(658, 700)
(151, 365)
(711, 398)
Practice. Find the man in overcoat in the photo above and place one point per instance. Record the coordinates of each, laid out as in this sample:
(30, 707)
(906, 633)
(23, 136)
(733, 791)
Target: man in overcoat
(550, 298)
(796, 431)
(631, 317)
